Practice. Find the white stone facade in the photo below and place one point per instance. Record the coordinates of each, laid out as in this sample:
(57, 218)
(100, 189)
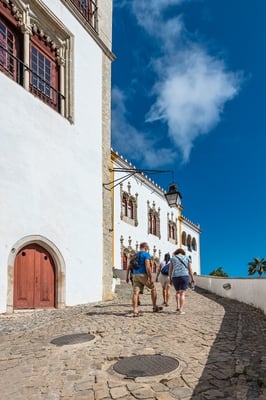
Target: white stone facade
(52, 165)
(128, 232)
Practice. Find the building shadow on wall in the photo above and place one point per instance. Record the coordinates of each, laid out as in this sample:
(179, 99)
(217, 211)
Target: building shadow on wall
(236, 365)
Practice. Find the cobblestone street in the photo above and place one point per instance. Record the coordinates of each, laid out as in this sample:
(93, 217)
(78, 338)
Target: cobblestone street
(220, 346)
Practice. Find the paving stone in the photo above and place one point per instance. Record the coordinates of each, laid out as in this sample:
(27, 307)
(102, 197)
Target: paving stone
(119, 392)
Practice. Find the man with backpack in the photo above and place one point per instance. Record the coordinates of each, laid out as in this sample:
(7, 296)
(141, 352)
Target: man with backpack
(142, 276)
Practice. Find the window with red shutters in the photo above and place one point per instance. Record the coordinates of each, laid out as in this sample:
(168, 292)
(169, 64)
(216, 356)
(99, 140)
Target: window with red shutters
(36, 67)
(10, 42)
(44, 73)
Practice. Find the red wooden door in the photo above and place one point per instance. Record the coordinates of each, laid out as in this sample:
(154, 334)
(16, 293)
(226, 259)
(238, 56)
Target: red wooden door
(34, 278)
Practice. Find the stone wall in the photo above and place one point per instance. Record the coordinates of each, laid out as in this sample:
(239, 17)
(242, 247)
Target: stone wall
(247, 290)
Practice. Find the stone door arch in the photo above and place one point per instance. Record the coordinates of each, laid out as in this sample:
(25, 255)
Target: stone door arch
(36, 275)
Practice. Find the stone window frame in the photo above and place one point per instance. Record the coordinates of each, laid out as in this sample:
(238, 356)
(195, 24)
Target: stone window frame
(126, 199)
(153, 219)
(172, 229)
(30, 18)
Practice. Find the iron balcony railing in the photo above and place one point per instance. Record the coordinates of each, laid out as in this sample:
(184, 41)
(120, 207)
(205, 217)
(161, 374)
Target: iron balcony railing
(88, 8)
(13, 67)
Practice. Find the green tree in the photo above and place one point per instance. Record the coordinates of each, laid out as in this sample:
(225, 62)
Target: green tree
(219, 272)
(257, 265)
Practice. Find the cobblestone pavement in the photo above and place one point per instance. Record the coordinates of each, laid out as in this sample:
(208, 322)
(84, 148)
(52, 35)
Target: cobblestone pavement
(220, 345)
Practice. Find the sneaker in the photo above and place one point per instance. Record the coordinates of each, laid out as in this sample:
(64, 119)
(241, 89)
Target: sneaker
(182, 312)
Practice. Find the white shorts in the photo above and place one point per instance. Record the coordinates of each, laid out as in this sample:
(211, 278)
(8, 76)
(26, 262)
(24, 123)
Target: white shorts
(164, 280)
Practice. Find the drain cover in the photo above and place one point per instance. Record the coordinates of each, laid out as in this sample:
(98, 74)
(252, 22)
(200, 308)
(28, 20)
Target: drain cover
(72, 339)
(146, 365)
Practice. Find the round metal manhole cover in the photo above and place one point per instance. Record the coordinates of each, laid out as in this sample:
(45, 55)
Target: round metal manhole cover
(72, 339)
(146, 365)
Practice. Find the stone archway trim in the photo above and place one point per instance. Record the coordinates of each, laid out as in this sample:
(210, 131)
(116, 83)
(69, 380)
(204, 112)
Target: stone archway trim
(60, 278)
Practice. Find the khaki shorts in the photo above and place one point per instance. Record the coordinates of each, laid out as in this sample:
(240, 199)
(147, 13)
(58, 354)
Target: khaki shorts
(164, 280)
(141, 280)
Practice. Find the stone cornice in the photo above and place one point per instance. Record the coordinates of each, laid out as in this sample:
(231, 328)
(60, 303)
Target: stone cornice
(86, 25)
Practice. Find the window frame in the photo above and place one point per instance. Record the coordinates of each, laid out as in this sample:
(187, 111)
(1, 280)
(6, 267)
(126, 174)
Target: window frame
(53, 99)
(153, 220)
(56, 39)
(128, 211)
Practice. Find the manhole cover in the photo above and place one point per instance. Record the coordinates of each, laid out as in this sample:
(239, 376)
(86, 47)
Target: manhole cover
(72, 339)
(146, 365)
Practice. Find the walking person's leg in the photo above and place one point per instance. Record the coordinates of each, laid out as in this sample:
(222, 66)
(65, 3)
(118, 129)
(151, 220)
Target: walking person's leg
(167, 294)
(182, 294)
(137, 287)
(153, 290)
(164, 295)
(135, 302)
(153, 297)
(177, 296)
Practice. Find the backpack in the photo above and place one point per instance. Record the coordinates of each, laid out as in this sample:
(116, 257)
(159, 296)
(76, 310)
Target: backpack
(165, 269)
(134, 261)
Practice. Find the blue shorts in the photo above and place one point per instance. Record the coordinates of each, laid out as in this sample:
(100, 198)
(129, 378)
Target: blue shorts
(181, 282)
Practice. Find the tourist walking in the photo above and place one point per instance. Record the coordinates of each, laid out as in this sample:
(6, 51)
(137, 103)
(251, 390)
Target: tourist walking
(180, 274)
(142, 276)
(163, 277)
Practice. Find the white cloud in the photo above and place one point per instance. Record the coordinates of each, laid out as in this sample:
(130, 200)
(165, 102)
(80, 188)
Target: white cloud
(148, 13)
(191, 95)
(191, 87)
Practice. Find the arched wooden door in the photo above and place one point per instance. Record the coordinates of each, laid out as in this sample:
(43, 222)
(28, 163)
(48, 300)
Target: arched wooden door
(34, 278)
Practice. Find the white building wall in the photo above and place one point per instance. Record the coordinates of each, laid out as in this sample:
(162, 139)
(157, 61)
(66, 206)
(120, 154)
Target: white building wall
(147, 191)
(193, 230)
(51, 171)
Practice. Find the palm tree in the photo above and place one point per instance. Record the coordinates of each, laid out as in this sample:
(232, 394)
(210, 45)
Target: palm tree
(257, 265)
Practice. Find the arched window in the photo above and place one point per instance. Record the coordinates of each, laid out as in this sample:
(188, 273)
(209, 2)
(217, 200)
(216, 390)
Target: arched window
(128, 208)
(184, 238)
(194, 244)
(154, 221)
(189, 243)
(172, 232)
(124, 206)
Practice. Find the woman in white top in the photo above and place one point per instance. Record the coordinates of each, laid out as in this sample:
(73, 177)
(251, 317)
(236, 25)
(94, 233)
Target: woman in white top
(164, 280)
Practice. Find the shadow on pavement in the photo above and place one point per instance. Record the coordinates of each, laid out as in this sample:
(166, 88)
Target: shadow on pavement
(236, 365)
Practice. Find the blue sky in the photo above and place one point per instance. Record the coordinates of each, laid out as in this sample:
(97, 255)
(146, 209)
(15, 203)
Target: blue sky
(188, 93)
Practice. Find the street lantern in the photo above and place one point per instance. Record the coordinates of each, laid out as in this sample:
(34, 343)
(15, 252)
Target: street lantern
(173, 196)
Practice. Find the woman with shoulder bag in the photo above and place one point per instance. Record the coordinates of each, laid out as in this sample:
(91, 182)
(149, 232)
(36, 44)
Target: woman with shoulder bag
(180, 273)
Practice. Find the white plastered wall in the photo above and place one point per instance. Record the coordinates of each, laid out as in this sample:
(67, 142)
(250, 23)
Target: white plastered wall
(51, 171)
